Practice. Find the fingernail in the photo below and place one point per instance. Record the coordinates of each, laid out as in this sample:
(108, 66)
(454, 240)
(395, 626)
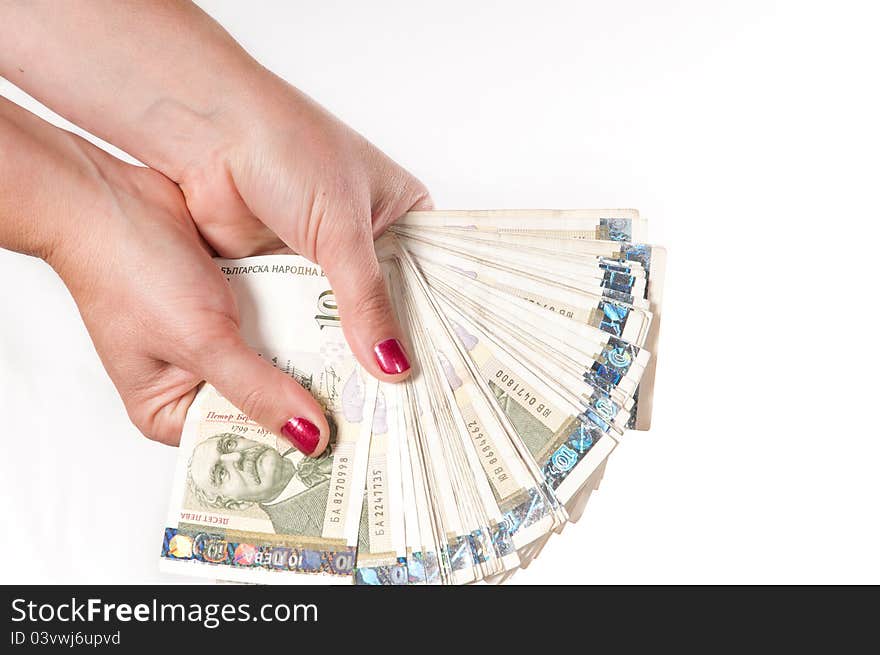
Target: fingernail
(302, 433)
(390, 355)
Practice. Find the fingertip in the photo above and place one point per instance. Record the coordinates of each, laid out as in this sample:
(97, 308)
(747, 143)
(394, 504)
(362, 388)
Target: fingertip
(323, 440)
(309, 435)
(392, 358)
(372, 368)
(324, 436)
(398, 377)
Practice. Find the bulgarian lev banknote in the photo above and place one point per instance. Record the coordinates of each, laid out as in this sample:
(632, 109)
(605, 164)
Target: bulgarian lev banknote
(531, 336)
(246, 505)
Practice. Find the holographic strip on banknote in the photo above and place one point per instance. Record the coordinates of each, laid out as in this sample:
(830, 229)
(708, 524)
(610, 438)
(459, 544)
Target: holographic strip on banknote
(213, 548)
(389, 574)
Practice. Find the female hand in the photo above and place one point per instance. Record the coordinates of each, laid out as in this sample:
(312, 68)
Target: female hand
(262, 166)
(159, 311)
(278, 172)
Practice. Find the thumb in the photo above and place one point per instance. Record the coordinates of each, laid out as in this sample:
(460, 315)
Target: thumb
(365, 309)
(264, 393)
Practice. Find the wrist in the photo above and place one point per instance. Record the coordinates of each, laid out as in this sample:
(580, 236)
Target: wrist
(89, 185)
(41, 186)
(184, 133)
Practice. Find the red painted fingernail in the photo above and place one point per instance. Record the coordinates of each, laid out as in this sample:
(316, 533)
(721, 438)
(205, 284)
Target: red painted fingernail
(302, 433)
(390, 355)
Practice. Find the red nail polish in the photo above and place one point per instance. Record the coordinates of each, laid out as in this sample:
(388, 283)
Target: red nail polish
(390, 355)
(302, 433)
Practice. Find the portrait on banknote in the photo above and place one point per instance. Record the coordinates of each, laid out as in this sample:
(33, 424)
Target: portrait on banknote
(230, 472)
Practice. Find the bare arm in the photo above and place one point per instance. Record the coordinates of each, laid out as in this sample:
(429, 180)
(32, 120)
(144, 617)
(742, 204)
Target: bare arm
(158, 78)
(159, 312)
(262, 166)
(35, 157)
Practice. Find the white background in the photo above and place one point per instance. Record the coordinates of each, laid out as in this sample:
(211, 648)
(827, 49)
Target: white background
(746, 132)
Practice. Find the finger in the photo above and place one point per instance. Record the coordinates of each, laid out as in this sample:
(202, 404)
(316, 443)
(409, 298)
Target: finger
(393, 201)
(365, 309)
(225, 221)
(264, 393)
(157, 397)
(169, 419)
(423, 203)
(165, 420)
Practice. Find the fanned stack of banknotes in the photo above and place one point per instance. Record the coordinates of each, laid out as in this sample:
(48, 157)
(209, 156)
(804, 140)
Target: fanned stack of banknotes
(529, 333)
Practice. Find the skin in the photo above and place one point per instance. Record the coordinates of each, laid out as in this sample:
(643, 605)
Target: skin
(244, 164)
(120, 236)
(239, 468)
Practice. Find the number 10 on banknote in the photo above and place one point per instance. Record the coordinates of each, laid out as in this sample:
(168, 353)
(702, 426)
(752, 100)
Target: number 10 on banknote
(246, 506)
(533, 336)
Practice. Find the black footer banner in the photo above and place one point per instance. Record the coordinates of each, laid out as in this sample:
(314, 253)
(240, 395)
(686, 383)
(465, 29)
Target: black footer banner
(129, 619)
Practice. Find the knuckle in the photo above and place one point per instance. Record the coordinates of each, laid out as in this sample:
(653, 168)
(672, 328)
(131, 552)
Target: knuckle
(207, 342)
(372, 306)
(255, 403)
(419, 196)
(349, 253)
(408, 194)
(150, 424)
(192, 343)
(354, 230)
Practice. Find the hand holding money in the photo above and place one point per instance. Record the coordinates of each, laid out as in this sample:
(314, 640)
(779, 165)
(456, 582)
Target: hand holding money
(158, 310)
(262, 167)
(530, 332)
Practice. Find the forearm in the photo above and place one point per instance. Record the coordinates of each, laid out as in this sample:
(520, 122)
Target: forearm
(36, 161)
(158, 78)
(58, 194)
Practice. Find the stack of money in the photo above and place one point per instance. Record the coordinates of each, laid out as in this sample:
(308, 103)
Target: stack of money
(529, 334)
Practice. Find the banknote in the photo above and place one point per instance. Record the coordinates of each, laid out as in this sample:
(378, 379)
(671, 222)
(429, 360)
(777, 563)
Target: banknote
(531, 335)
(600, 359)
(528, 511)
(554, 237)
(469, 510)
(244, 500)
(604, 224)
(382, 556)
(567, 440)
(609, 278)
